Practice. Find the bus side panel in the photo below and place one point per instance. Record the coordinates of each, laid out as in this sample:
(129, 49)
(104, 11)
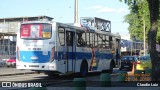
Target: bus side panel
(100, 62)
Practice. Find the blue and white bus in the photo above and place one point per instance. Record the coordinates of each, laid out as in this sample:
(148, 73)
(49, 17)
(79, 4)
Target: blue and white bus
(53, 47)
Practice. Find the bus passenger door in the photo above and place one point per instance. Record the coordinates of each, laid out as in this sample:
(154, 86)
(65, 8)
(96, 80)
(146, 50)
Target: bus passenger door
(70, 49)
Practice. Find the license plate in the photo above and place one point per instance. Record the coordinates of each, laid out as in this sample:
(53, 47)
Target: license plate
(126, 66)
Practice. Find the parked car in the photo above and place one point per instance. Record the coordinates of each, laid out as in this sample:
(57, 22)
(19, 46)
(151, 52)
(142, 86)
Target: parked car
(11, 62)
(128, 61)
(146, 57)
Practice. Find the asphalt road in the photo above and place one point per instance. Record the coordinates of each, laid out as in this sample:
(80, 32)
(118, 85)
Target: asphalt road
(64, 82)
(12, 71)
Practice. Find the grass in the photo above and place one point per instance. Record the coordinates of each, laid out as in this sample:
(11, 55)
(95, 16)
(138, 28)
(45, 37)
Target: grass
(146, 63)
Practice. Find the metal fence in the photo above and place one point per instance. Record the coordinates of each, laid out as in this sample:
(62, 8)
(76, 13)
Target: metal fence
(7, 51)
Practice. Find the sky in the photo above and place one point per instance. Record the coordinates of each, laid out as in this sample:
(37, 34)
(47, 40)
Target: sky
(63, 10)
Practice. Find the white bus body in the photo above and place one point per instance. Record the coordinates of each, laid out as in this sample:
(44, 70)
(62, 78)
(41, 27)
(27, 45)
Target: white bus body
(57, 47)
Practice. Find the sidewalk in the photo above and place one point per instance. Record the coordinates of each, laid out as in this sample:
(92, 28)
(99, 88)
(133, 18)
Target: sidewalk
(13, 71)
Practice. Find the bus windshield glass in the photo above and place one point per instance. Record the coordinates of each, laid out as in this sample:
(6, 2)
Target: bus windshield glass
(36, 31)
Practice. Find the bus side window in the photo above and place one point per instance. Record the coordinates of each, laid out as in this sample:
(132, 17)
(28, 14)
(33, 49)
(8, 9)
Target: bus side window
(107, 42)
(91, 40)
(100, 41)
(113, 43)
(87, 39)
(81, 39)
(61, 36)
(96, 40)
(104, 41)
(110, 42)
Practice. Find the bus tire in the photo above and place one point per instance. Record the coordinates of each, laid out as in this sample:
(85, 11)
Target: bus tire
(120, 68)
(84, 69)
(52, 74)
(111, 67)
(105, 71)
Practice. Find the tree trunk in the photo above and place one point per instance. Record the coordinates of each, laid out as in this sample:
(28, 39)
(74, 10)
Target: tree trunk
(154, 13)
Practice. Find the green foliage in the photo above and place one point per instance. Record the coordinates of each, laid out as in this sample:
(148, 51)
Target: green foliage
(138, 16)
(158, 33)
(146, 63)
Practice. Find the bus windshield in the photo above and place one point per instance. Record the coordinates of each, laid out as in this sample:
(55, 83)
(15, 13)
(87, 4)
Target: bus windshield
(36, 31)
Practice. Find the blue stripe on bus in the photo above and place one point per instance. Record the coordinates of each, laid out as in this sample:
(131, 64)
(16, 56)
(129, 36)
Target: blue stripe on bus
(25, 56)
(83, 55)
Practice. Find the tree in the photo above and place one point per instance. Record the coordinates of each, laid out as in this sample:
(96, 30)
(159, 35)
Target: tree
(139, 14)
(154, 15)
(153, 6)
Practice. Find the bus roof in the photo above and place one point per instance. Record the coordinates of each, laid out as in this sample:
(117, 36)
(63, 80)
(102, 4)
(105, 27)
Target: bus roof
(78, 29)
(27, 22)
(84, 29)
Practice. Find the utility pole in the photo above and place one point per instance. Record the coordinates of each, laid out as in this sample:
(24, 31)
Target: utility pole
(76, 12)
(144, 37)
(144, 31)
(131, 46)
(135, 47)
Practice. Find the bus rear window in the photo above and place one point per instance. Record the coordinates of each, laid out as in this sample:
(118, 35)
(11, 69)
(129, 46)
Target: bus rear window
(36, 31)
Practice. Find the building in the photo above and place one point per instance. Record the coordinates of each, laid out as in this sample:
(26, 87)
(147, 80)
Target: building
(8, 32)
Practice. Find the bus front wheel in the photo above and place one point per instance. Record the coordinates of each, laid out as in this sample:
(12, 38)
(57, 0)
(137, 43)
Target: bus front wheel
(111, 67)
